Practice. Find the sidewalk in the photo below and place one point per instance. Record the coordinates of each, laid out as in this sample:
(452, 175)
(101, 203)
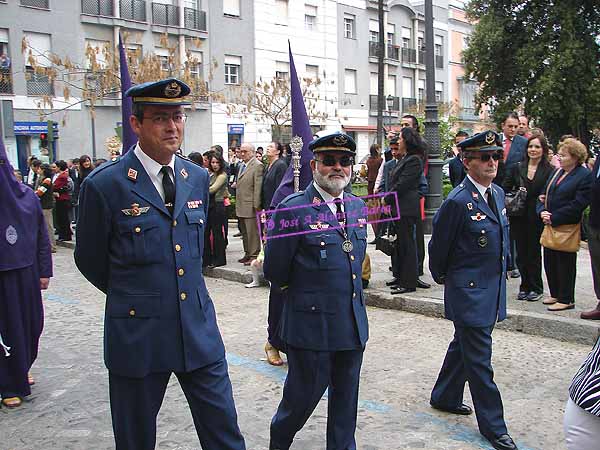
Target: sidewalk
(526, 317)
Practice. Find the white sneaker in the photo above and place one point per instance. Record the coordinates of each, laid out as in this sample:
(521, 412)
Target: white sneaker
(251, 285)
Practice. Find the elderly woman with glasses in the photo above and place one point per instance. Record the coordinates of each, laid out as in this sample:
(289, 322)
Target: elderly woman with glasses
(565, 197)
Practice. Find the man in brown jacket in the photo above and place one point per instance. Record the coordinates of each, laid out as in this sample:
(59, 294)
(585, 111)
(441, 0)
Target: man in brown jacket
(247, 201)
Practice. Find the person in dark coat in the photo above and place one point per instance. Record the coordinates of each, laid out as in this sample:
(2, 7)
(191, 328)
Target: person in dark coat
(25, 269)
(568, 195)
(468, 254)
(62, 190)
(455, 165)
(594, 240)
(532, 175)
(273, 174)
(404, 181)
(140, 240)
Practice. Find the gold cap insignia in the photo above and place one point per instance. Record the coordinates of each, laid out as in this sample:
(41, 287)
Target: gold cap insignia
(340, 140)
(172, 90)
(490, 138)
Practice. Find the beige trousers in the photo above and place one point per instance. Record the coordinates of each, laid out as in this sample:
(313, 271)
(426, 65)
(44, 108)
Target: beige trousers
(50, 227)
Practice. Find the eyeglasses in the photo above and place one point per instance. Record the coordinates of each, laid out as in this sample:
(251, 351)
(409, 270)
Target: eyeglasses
(163, 119)
(330, 161)
(496, 156)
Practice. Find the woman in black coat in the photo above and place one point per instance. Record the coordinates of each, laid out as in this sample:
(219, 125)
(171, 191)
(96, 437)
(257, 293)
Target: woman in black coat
(404, 181)
(532, 174)
(568, 195)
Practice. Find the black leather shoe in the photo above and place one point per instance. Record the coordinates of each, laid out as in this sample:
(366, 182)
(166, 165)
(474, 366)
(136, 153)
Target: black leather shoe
(534, 296)
(402, 290)
(373, 242)
(392, 282)
(463, 410)
(522, 295)
(503, 442)
(421, 284)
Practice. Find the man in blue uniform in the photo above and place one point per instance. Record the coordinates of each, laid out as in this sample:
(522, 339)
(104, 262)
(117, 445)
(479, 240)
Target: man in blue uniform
(468, 254)
(324, 321)
(140, 238)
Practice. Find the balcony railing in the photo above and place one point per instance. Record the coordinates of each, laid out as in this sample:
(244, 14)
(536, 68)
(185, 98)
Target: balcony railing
(38, 84)
(165, 14)
(409, 55)
(408, 104)
(373, 104)
(373, 48)
(97, 7)
(439, 61)
(194, 19)
(393, 52)
(5, 81)
(421, 57)
(133, 10)
(35, 3)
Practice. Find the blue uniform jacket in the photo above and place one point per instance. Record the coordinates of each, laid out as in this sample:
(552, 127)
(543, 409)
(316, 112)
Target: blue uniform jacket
(324, 308)
(159, 316)
(468, 253)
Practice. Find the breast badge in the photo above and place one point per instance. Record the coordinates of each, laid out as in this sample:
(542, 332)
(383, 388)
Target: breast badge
(482, 241)
(132, 174)
(479, 217)
(135, 210)
(470, 206)
(194, 204)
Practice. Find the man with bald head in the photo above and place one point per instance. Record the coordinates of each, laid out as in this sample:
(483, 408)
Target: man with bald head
(248, 201)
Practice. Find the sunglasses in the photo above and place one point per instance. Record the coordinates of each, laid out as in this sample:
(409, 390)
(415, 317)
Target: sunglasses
(330, 161)
(496, 156)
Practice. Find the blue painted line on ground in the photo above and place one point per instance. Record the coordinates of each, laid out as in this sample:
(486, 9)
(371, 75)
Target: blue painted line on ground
(59, 299)
(457, 432)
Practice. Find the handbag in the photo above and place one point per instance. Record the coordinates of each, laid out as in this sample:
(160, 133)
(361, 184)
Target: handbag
(563, 238)
(385, 242)
(514, 201)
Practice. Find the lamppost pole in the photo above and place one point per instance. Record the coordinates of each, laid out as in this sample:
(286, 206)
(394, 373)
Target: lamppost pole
(433, 199)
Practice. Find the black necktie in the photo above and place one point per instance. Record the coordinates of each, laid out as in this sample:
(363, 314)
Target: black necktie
(492, 203)
(169, 188)
(339, 213)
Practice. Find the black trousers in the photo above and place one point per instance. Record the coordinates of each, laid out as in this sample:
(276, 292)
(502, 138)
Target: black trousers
(594, 248)
(561, 269)
(420, 245)
(526, 234)
(404, 257)
(63, 222)
(217, 218)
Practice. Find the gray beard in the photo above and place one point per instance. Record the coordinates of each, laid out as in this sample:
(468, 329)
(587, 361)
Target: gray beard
(333, 187)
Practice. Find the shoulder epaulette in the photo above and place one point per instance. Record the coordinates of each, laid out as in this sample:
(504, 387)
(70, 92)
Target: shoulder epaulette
(104, 166)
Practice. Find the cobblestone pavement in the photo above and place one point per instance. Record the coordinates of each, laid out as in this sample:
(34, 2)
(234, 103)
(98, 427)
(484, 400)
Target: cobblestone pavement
(69, 406)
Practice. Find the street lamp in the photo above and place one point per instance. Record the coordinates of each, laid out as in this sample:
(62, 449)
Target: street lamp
(389, 100)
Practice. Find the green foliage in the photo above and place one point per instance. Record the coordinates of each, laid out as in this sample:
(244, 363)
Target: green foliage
(447, 132)
(542, 54)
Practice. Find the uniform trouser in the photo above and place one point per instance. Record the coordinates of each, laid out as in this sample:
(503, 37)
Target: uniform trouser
(135, 402)
(50, 227)
(420, 239)
(250, 238)
(561, 269)
(405, 258)
(309, 374)
(529, 252)
(594, 248)
(469, 358)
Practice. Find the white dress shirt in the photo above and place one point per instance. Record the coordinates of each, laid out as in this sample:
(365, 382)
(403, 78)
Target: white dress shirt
(152, 168)
(330, 198)
(481, 188)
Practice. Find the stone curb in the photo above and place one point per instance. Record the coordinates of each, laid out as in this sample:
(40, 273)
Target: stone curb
(66, 244)
(554, 327)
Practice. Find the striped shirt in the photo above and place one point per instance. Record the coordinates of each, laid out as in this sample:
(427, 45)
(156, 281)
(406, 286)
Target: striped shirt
(585, 387)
